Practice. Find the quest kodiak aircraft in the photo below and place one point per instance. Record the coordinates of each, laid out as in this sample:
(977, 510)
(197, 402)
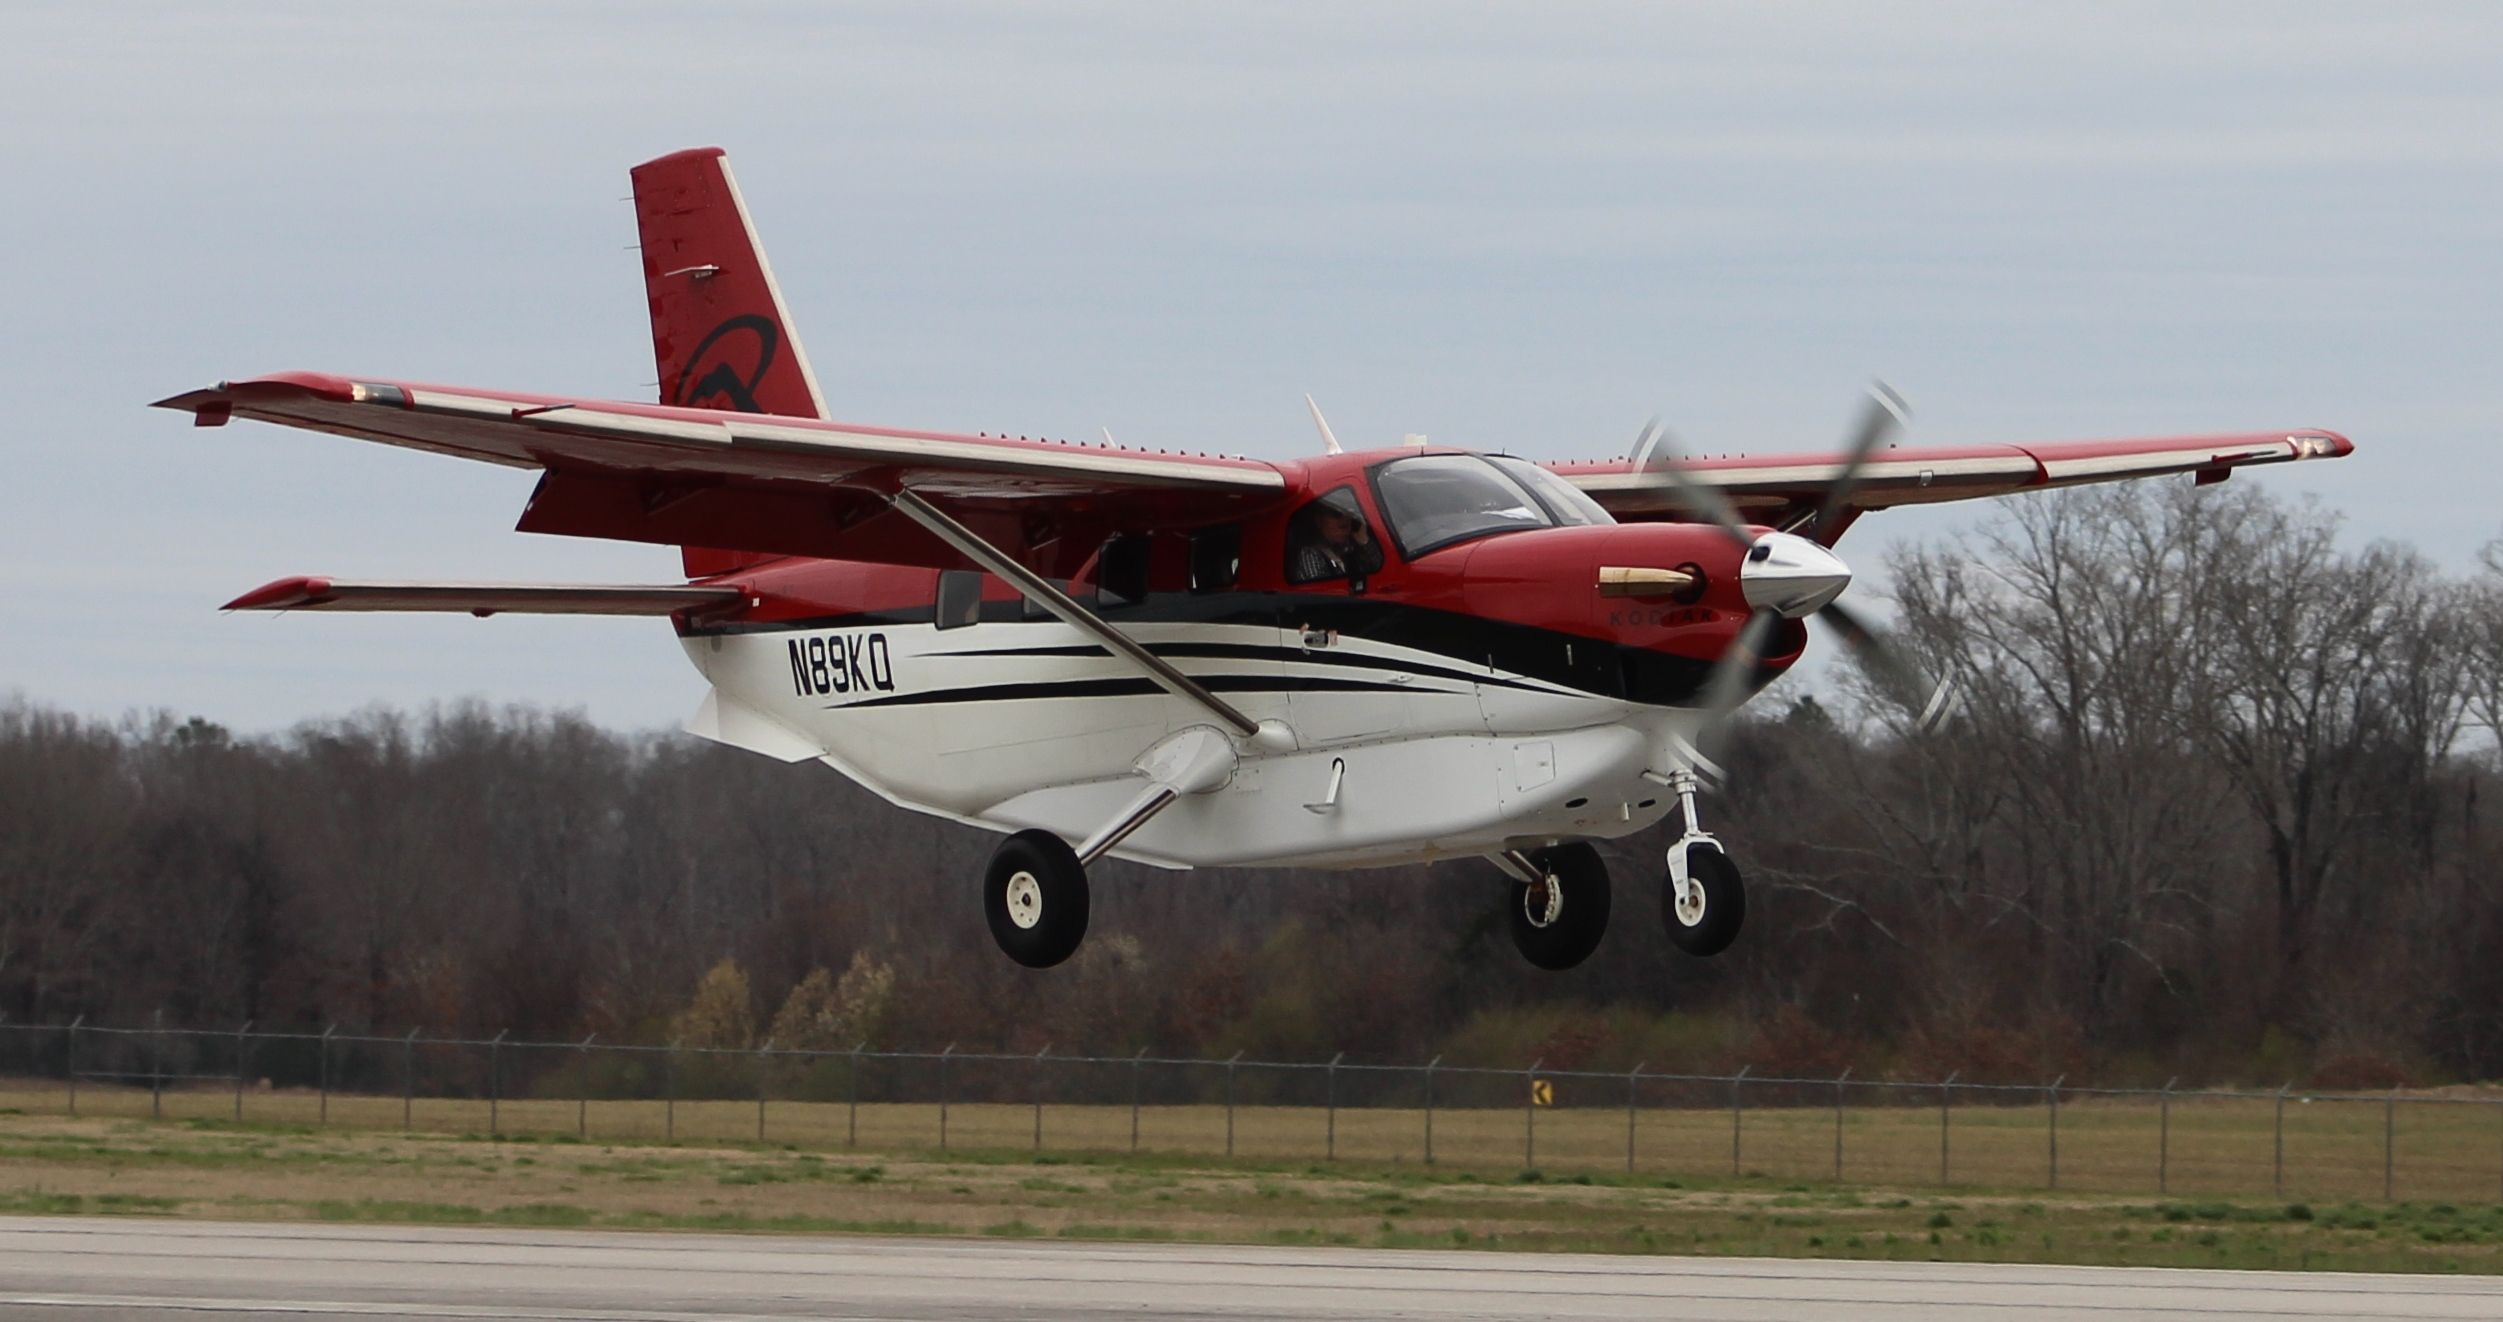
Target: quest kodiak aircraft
(1349, 660)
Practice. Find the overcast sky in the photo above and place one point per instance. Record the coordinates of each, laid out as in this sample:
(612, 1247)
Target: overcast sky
(1527, 227)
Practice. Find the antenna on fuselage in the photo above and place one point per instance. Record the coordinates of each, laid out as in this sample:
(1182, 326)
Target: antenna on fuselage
(1329, 439)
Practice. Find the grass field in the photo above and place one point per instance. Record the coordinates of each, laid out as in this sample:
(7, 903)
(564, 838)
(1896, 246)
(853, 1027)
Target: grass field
(2425, 1150)
(213, 1167)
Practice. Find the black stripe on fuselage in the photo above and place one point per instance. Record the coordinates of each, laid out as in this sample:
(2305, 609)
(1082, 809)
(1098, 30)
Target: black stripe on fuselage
(1256, 652)
(1134, 687)
(1593, 666)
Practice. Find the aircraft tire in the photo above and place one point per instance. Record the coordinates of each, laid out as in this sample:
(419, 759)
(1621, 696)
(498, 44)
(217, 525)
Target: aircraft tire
(1575, 920)
(1709, 922)
(1034, 894)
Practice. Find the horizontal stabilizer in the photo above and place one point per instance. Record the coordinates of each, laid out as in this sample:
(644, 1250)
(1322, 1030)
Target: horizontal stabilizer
(313, 593)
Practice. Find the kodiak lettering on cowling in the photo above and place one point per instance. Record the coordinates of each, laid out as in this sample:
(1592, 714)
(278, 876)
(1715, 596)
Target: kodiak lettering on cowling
(841, 663)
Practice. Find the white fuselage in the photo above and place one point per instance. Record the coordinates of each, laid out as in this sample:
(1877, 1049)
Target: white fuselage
(1011, 725)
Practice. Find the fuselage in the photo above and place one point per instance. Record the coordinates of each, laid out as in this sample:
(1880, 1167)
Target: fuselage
(1461, 687)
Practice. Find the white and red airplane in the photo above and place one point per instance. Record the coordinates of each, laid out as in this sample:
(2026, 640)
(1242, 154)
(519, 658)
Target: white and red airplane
(1351, 660)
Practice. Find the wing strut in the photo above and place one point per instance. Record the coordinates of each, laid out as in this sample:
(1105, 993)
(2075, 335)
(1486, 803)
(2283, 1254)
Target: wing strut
(1039, 590)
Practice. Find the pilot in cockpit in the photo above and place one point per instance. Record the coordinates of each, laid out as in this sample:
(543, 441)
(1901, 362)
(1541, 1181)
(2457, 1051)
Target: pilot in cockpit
(1334, 542)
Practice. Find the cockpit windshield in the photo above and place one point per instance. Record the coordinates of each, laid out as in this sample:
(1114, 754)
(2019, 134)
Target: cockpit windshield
(1434, 500)
(1563, 499)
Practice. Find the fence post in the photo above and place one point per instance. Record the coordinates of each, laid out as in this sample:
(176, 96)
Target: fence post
(1633, 1079)
(761, 1062)
(1134, 1097)
(495, 1084)
(1946, 1094)
(2277, 1174)
(1038, 1095)
(2390, 1146)
(1529, 1114)
(1838, 1085)
(325, 1053)
(1429, 1108)
(582, 1097)
(1738, 1112)
(72, 1064)
(239, 1069)
(851, 1122)
(1330, 1149)
(2164, 1139)
(1229, 1103)
(2054, 1091)
(943, 1055)
(156, 1069)
(408, 1080)
(669, 1092)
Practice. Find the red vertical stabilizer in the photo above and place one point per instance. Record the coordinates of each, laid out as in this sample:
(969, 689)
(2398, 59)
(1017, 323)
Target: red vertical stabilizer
(720, 335)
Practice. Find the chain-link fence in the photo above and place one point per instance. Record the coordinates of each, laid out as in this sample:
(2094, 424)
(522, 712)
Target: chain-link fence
(2286, 1143)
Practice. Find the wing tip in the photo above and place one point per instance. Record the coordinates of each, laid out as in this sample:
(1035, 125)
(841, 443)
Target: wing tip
(222, 397)
(283, 594)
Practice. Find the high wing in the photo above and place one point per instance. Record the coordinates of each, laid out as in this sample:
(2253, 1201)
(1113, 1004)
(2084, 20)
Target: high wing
(1779, 490)
(787, 485)
(313, 592)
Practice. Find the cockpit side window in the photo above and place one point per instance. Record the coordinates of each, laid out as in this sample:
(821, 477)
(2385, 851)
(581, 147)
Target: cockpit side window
(1330, 538)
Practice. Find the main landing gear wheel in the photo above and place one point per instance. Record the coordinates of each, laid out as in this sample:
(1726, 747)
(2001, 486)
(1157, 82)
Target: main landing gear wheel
(1702, 900)
(1557, 920)
(1035, 896)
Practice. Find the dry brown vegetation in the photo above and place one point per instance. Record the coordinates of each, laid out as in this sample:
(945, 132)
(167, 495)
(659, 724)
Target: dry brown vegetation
(2442, 1151)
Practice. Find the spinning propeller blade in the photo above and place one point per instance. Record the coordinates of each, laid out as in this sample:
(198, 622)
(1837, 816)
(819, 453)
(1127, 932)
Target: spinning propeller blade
(1885, 414)
(1703, 504)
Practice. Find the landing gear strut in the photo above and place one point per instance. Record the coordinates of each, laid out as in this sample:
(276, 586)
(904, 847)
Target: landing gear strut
(1702, 900)
(1558, 902)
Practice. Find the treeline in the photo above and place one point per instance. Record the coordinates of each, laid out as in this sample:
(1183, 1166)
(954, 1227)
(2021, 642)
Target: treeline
(2210, 801)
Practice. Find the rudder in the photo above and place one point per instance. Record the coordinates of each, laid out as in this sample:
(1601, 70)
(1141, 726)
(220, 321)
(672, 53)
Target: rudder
(720, 335)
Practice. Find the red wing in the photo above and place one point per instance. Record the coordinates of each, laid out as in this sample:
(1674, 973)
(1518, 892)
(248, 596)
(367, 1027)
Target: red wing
(319, 593)
(795, 486)
(1770, 487)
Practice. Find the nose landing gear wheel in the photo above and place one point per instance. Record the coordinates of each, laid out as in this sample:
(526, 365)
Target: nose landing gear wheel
(1034, 894)
(1704, 902)
(1557, 921)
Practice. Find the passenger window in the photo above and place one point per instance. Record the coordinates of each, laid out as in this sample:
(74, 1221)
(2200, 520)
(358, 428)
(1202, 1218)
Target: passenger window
(960, 598)
(1121, 571)
(1330, 539)
(1216, 558)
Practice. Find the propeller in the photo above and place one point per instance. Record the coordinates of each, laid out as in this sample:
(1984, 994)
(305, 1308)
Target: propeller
(1790, 576)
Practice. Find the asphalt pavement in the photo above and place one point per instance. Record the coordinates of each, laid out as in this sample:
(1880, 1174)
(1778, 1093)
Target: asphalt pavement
(101, 1267)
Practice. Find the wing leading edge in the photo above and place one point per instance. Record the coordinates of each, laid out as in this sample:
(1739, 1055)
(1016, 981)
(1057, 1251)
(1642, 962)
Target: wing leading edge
(1769, 487)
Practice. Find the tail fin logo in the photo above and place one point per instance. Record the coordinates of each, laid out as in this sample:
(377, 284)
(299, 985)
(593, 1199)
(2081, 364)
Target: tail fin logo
(713, 377)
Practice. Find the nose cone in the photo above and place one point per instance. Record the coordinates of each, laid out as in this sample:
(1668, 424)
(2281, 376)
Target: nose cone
(1791, 575)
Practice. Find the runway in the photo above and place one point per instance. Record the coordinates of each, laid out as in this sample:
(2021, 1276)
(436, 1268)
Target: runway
(95, 1268)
